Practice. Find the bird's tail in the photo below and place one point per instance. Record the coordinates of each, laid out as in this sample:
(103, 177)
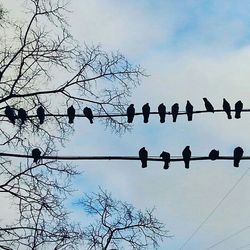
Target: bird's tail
(229, 116)
(130, 119)
(144, 164)
(145, 119)
(174, 118)
(166, 165)
(13, 120)
(190, 117)
(71, 120)
(236, 163)
(237, 115)
(162, 119)
(41, 121)
(186, 164)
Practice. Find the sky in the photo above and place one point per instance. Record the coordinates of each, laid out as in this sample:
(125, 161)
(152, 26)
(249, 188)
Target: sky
(190, 49)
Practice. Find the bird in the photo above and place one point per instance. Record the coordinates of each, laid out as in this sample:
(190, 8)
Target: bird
(71, 114)
(214, 154)
(40, 114)
(22, 115)
(238, 153)
(88, 113)
(10, 113)
(209, 107)
(186, 153)
(143, 155)
(238, 109)
(162, 112)
(130, 113)
(36, 154)
(189, 110)
(227, 108)
(166, 158)
(146, 112)
(175, 110)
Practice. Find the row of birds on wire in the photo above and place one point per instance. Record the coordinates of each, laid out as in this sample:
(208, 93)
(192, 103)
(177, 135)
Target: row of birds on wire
(165, 156)
(87, 112)
(186, 154)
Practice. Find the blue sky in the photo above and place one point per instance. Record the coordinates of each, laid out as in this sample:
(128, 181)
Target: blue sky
(191, 49)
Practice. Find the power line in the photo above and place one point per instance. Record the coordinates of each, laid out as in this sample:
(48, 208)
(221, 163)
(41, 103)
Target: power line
(129, 158)
(242, 247)
(228, 237)
(104, 115)
(213, 210)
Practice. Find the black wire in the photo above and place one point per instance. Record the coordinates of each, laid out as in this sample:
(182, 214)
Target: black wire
(136, 114)
(228, 237)
(214, 209)
(243, 246)
(129, 158)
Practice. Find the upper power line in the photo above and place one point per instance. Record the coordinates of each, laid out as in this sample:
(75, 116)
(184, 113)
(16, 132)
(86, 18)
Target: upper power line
(22, 115)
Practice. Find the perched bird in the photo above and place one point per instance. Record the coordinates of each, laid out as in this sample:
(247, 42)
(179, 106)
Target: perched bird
(238, 109)
(227, 108)
(71, 114)
(146, 112)
(175, 110)
(189, 110)
(40, 114)
(143, 154)
(36, 154)
(130, 113)
(10, 113)
(209, 107)
(166, 158)
(162, 112)
(186, 153)
(238, 153)
(22, 115)
(214, 154)
(88, 113)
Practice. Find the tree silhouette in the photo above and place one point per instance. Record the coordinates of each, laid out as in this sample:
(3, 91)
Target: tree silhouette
(118, 225)
(36, 53)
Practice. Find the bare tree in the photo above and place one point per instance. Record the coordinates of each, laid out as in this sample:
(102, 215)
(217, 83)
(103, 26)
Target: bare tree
(118, 225)
(42, 65)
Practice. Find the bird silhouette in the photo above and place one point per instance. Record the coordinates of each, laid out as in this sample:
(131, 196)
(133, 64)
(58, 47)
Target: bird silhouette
(88, 113)
(10, 113)
(238, 109)
(71, 114)
(166, 158)
(227, 108)
(40, 114)
(145, 112)
(130, 113)
(22, 115)
(186, 153)
(143, 155)
(36, 154)
(238, 153)
(209, 107)
(175, 110)
(214, 154)
(162, 112)
(189, 110)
